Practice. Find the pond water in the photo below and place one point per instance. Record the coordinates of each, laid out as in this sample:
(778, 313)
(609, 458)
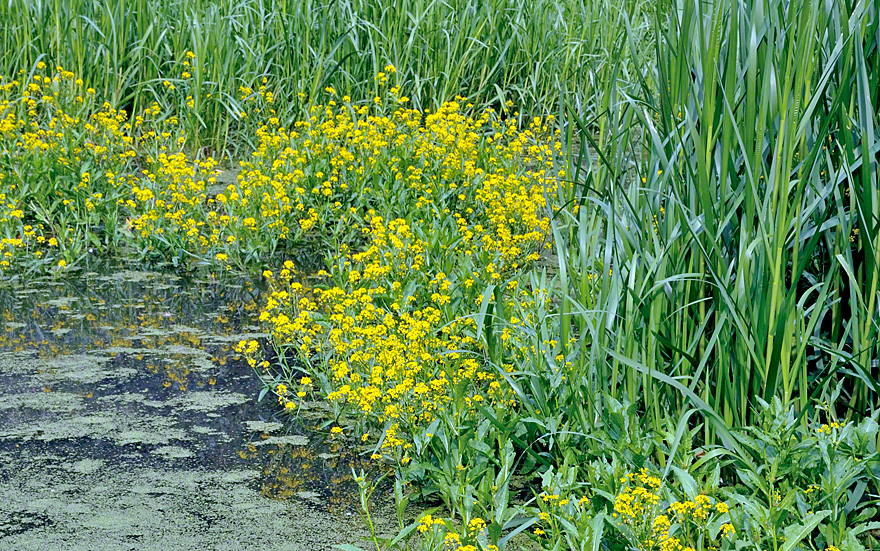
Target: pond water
(128, 422)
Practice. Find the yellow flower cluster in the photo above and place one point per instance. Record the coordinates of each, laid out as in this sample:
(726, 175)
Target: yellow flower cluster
(319, 175)
(558, 509)
(427, 522)
(642, 497)
(169, 205)
(439, 533)
(76, 172)
(828, 428)
(53, 131)
(637, 508)
(71, 163)
(392, 327)
(399, 361)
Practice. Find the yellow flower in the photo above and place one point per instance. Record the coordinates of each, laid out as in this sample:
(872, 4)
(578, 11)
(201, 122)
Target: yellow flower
(425, 523)
(476, 525)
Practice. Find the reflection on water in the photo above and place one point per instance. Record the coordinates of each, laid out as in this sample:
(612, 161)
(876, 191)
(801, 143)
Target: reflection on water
(102, 374)
(319, 472)
(144, 317)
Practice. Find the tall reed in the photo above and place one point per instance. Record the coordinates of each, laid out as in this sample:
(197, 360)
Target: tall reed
(724, 248)
(488, 51)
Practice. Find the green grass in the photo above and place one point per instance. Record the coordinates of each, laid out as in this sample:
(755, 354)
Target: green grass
(530, 53)
(734, 198)
(710, 308)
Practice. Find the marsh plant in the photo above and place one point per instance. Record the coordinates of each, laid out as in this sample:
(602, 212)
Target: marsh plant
(615, 289)
(709, 288)
(135, 52)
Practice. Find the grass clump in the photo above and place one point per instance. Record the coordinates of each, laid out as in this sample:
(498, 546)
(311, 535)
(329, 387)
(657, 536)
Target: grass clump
(650, 323)
(196, 54)
(690, 316)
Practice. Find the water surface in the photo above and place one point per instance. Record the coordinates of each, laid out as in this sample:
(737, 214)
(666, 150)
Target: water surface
(128, 422)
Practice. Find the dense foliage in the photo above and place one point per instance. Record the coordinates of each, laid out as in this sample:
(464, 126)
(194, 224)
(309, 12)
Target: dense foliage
(133, 52)
(650, 322)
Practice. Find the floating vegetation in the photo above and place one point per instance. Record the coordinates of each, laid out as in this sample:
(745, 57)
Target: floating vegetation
(98, 451)
(649, 322)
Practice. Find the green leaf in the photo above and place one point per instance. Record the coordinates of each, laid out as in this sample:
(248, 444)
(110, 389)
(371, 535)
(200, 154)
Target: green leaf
(691, 488)
(486, 301)
(597, 525)
(799, 532)
(521, 524)
(403, 534)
